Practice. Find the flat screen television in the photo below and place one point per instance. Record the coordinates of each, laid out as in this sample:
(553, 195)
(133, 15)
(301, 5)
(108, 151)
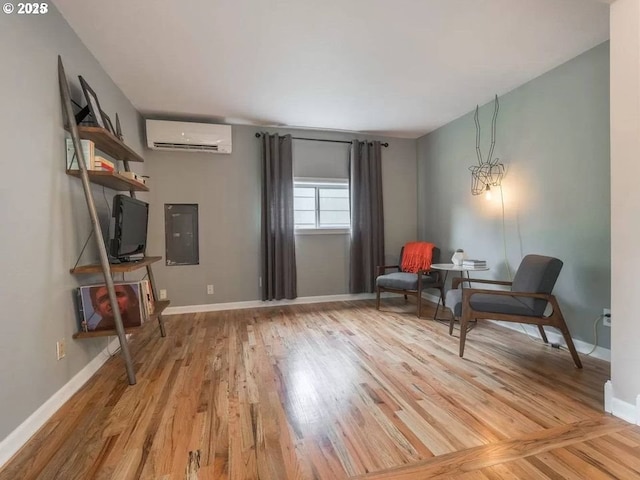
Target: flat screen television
(130, 232)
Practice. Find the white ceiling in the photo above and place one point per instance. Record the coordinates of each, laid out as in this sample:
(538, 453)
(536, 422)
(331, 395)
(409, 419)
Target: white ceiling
(400, 68)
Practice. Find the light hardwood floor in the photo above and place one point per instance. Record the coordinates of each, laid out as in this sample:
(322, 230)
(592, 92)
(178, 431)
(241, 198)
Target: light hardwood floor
(333, 391)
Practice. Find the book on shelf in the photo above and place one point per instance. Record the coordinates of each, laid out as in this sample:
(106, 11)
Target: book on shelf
(145, 306)
(88, 151)
(100, 163)
(470, 262)
(92, 161)
(134, 176)
(147, 297)
(80, 310)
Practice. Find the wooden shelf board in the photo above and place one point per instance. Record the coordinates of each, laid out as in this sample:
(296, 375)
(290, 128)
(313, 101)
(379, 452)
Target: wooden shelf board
(108, 143)
(158, 307)
(111, 180)
(104, 333)
(116, 267)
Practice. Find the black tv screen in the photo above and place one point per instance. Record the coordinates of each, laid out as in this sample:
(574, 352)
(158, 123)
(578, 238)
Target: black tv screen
(130, 232)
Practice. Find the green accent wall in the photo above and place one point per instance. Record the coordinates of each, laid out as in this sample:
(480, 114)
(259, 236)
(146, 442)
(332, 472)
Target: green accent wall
(553, 137)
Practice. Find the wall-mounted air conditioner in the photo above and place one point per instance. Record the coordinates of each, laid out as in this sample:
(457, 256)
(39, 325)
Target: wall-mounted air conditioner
(187, 136)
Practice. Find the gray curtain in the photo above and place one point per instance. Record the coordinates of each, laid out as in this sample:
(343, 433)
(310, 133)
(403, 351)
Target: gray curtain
(367, 219)
(278, 245)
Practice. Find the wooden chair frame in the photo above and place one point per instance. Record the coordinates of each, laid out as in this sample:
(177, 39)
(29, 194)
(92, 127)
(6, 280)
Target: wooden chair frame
(556, 319)
(414, 293)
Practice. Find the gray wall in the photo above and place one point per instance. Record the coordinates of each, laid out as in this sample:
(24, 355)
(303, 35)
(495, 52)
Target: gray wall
(227, 189)
(553, 136)
(42, 210)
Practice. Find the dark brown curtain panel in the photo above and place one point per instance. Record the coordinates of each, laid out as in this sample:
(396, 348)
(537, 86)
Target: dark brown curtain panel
(367, 219)
(278, 245)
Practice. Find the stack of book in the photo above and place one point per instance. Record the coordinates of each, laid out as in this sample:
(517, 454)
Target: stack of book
(471, 262)
(101, 164)
(134, 176)
(146, 295)
(93, 161)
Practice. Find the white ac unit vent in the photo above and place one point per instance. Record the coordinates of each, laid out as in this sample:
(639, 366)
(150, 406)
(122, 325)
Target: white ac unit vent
(187, 136)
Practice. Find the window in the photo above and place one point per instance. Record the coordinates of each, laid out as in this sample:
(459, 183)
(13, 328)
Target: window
(321, 205)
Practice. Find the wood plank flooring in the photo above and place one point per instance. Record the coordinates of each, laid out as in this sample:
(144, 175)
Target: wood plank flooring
(334, 391)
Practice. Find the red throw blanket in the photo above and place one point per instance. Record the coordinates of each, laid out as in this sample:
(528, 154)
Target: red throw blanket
(417, 256)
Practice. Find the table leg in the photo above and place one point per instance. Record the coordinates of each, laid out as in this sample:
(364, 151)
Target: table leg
(444, 282)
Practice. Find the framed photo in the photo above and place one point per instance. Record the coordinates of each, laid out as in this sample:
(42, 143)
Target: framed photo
(92, 102)
(107, 123)
(96, 311)
(118, 128)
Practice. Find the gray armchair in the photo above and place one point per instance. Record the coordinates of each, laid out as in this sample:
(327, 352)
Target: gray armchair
(524, 303)
(407, 283)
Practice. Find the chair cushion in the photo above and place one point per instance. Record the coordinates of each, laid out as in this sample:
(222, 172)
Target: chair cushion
(485, 302)
(403, 280)
(398, 281)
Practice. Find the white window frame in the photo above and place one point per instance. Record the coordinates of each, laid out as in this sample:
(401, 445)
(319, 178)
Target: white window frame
(321, 183)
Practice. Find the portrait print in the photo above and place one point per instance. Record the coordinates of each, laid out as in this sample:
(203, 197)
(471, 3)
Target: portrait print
(97, 313)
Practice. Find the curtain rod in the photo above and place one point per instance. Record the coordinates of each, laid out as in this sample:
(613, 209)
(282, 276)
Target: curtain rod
(258, 135)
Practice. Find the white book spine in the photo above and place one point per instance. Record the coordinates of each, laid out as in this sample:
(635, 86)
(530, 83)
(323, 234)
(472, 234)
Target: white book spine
(148, 297)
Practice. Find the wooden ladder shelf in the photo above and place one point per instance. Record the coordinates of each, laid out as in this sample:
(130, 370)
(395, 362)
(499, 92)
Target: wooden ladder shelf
(108, 143)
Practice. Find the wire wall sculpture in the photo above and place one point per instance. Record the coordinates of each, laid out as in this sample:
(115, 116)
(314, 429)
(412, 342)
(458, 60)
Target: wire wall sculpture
(487, 173)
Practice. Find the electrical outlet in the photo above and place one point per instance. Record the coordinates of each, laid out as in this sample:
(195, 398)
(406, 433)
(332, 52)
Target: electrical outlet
(209, 289)
(163, 294)
(60, 349)
(606, 318)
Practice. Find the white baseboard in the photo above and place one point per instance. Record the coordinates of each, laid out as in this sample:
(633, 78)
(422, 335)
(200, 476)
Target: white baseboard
(16, 439)
(553, 336)
(619, 408)
(215, 307)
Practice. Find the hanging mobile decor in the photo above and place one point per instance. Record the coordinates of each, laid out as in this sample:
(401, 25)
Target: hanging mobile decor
(487, 173)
